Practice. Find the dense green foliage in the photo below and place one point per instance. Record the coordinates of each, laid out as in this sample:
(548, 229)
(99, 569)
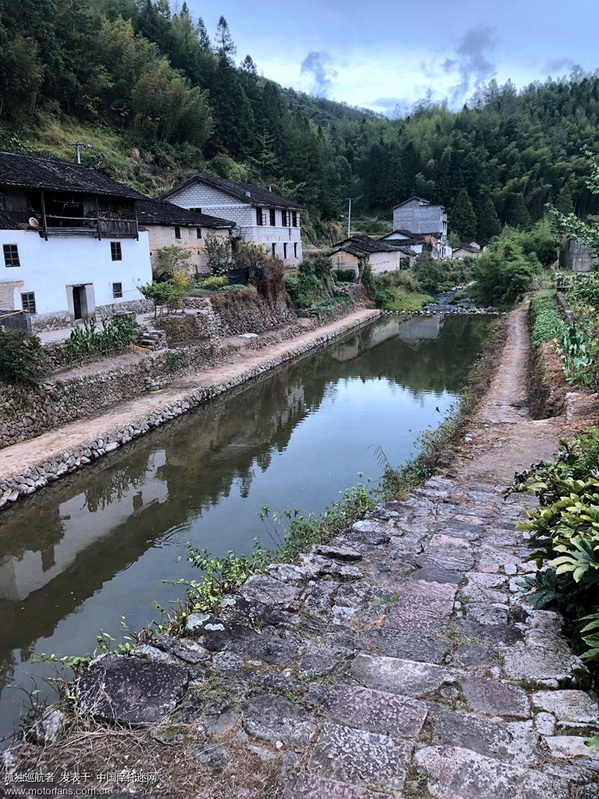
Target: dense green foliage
(22, 358)
(160, 99)
(565, 531)
(546, 323)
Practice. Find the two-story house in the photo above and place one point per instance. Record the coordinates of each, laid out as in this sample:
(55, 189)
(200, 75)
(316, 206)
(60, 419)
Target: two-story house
(70, 241)
(380, 255)
(261, 216)
(170, 225)
(421, 216)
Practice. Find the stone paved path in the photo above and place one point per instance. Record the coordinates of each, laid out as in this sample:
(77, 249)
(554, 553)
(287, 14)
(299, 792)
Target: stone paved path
(399, 660)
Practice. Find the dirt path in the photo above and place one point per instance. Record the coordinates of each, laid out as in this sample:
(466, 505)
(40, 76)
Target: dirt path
(504, 438)
(242, 362)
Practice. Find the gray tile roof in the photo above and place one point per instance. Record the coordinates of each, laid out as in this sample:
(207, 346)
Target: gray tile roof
(159, 212)
(34, 172)
(247, 192)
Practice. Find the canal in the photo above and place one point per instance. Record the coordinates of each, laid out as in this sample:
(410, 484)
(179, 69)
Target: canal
(95, 546)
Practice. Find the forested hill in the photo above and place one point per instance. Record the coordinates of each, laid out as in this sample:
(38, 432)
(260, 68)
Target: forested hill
(159, 98)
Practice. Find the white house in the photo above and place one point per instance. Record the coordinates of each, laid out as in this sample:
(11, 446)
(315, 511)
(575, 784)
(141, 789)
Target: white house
(70, 241)
(429, 243)
(261, 217)
(169, 225)
(381, 256)
(420, 216)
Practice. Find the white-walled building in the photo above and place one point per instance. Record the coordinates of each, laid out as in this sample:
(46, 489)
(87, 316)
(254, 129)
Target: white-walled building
(70, 241)
(261, 216)
(380, 255)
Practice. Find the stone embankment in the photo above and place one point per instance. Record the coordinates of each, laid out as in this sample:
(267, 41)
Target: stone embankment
(399, 660)
(29, 465)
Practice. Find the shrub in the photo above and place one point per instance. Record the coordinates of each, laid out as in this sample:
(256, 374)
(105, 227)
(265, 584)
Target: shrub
(383, 298)
(214, 282)
(344, 275)
(22, 358)
(565, 531)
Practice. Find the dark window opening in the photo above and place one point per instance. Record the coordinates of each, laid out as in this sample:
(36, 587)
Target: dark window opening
(116, 252)
(295, 249)
(259, 217)
(199, 232)
(273, 217)
(28, 301)
(284, 218)
(11, 255)
(273, 248)
(117, 290)
(177, 232)
(284, 250)
(294, 218)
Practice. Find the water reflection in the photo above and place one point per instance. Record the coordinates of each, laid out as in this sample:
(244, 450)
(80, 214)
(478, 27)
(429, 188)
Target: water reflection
(93, 546)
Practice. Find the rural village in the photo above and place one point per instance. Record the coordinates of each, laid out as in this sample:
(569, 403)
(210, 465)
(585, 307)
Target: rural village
(220, 301)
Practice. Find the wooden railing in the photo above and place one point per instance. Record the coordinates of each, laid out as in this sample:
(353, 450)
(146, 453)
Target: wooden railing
(102, 227)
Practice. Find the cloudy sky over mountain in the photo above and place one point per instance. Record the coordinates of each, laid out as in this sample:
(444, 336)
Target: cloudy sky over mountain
(390, 53)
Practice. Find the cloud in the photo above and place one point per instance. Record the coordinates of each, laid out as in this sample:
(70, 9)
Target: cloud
(559, 65)
(473, 66)
(318, 64)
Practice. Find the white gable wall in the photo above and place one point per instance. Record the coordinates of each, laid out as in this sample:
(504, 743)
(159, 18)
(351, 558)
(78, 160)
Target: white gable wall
(214, 202)
(51, 268)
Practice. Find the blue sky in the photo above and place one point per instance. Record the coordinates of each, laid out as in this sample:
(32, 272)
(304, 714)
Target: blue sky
(381, 55)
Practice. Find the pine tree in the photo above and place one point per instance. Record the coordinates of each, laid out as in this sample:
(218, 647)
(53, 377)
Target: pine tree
(462, 219)
(488, 221)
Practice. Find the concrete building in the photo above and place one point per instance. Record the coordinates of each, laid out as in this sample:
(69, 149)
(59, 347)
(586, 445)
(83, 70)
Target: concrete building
(261, 217)
(421, 216)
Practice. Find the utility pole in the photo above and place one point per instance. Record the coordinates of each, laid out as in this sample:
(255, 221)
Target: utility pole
(79, 145)
(349, 200)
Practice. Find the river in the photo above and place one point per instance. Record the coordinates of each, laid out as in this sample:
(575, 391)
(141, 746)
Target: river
(94, 546)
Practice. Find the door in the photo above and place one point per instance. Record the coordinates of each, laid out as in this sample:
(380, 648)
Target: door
(78, 301)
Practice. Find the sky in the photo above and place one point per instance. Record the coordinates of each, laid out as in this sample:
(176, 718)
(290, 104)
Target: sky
(387, 56)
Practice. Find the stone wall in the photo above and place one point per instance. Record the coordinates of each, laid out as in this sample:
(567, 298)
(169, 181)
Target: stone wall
(51, 402)
(56, 321)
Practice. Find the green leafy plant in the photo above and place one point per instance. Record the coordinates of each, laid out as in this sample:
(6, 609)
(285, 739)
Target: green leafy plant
(22, 358)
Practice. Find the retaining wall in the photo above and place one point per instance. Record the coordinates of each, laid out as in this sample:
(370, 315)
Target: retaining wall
(121, 383)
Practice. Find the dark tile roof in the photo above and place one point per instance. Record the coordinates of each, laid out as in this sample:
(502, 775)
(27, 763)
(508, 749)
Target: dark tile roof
(247, 192)
(159, 212)
(364, 244)
(33, 172)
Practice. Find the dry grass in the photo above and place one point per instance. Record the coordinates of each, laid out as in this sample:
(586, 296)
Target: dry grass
(174, 771)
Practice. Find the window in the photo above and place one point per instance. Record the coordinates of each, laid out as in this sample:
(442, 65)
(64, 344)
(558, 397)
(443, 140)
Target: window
(11, 255)
(116, 252)
(295, 249)
(177, 232)
(273, 249)
(259, 217)
(117, 290)
(284, 218)
(273, 218)
(28, 301)
(294, 218)
(199, 232)
(284, 250)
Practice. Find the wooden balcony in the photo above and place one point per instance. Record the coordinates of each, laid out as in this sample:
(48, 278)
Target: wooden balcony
(101, 227)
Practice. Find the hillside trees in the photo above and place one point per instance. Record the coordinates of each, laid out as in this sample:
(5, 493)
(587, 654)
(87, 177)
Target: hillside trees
(147, 69)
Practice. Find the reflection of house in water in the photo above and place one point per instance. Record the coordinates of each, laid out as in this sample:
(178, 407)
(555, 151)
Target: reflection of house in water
(83, 522)
(419, 328)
